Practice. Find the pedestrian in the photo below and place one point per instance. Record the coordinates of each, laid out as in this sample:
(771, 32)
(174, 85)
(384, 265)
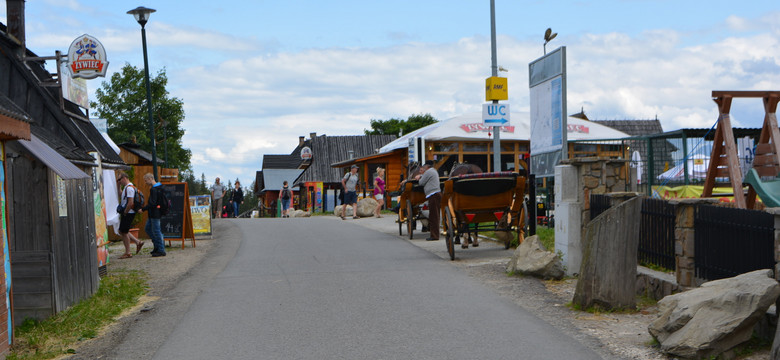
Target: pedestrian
(127, 215)
(379, 190)
(286, 195)
(349, 184)
(152, 208)
(429, 180)
(217, 193)
(237, 198)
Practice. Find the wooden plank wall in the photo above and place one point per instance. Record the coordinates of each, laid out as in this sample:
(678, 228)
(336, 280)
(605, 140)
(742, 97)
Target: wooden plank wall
(74, 255)
(53, 258)
(29, 230)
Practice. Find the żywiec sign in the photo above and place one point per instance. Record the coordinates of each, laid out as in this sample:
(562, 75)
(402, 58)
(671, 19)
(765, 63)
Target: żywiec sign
(87, 58)
(470, 128)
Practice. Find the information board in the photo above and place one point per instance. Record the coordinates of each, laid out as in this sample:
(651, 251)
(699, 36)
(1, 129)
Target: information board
(177, 225)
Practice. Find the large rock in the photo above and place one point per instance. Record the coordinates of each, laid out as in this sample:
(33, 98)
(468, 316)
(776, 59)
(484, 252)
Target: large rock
(366, 207)
(337, 210)
(531, 258)
(715, 317)
(608, 269)
(300, 213)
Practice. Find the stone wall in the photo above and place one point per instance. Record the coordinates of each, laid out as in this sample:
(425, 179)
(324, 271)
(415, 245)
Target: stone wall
(575, 180)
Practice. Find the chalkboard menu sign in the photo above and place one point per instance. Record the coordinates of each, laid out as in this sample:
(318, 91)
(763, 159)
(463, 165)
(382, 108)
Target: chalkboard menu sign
(177, 225)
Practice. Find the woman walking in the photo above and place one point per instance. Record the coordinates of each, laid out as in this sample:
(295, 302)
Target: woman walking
(237, 198)
(379, 190)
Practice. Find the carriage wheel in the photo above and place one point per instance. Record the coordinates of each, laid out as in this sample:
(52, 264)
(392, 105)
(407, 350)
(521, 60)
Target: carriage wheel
(450, 233)
(409, 218)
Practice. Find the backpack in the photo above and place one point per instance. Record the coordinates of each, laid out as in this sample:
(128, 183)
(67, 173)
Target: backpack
(163, 202)
(138, 199)
(286, 194)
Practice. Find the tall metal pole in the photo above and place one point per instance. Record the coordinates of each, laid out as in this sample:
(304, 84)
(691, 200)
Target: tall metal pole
(149, 104)
(494, 71)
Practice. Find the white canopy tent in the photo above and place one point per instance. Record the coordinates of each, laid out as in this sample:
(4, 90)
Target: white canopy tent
(469, 127)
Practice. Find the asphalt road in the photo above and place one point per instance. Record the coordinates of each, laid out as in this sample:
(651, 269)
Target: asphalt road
(321, 288)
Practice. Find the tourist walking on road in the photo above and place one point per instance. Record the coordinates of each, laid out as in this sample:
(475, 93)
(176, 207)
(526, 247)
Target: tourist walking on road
(217, 193)
(152, 208)
(429, 180)
(127, 215)
(349, 184)
(237, 198)
(286, 195)
(379, 190)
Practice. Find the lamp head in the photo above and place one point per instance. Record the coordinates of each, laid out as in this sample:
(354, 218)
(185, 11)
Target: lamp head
(549, 35)
(141, 14)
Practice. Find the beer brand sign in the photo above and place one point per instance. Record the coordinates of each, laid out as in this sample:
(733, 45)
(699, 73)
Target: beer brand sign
(87, 58)
(480, 127)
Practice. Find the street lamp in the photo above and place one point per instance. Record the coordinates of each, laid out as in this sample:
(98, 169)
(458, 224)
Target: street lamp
(141, 15)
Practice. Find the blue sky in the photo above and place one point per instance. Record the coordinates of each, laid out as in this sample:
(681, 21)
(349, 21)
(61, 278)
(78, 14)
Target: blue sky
(255, 75)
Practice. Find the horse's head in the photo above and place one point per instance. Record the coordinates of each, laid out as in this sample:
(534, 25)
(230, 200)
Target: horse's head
(464, 168)
(412, 169)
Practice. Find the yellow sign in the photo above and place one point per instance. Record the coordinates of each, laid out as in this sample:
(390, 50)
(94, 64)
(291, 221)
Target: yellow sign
(496, 88)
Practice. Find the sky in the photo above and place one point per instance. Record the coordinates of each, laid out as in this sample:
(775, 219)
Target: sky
(254, 75)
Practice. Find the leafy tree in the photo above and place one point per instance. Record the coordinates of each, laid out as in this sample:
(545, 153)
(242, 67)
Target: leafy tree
(396, 126)
(122, 102)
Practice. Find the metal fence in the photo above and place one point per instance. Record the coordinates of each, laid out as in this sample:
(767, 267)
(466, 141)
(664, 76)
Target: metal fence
(730, 241)
(671, 159)
(598, 204)
(656, 234)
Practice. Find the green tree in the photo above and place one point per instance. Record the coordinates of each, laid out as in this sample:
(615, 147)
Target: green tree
(399, 126)
(122, 102)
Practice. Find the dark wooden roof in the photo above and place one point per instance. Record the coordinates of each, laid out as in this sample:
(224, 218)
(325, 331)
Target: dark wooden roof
(281, 161)
(24, 88)
(327, 150)
(137, 151)
(634, 127)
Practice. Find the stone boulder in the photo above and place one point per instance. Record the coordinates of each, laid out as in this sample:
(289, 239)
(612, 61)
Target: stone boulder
(299, 213)
(366, 207)
(531, 258)
(715, 317)
(337, 210)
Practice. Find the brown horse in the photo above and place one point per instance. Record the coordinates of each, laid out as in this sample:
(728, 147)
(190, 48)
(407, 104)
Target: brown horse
(464, 168)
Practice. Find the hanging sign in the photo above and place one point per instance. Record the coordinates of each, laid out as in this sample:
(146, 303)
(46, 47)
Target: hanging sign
(306, 153)
(87, 58)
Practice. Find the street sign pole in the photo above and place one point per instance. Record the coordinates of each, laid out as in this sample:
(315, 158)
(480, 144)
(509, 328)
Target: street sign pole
(494, 71)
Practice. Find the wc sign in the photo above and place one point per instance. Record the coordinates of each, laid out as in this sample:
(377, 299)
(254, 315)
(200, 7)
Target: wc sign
(495, 114)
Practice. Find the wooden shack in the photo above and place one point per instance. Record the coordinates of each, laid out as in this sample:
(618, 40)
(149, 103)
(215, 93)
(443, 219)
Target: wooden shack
(51, 231)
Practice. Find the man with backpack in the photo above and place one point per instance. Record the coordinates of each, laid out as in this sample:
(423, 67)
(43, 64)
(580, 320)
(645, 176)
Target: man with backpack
(128, 205)
(156, 208)
(286, 195)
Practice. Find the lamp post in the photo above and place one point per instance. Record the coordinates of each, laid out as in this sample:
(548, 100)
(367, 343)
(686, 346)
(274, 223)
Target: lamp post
(141, 15)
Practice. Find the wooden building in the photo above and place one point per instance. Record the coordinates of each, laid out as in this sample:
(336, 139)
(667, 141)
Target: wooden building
(49, 184)
(327, 150)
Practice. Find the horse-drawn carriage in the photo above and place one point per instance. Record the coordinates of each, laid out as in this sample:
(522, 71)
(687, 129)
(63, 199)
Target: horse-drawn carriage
(483, 202)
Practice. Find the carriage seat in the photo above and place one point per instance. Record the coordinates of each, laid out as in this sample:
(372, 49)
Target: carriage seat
(484, 184)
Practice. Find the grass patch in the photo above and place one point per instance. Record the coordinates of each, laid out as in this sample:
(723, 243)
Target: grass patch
(546, 236)
(642, 302)
(55, 336)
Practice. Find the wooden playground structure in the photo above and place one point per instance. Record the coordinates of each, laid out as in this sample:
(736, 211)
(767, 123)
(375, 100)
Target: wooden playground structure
(724, 162)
